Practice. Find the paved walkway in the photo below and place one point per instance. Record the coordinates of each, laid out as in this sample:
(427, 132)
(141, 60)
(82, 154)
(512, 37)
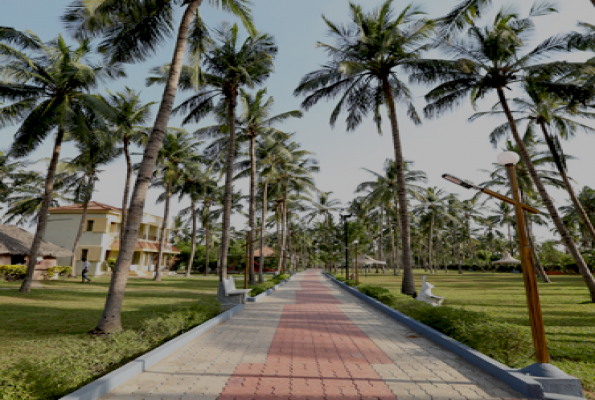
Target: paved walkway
(311, 341)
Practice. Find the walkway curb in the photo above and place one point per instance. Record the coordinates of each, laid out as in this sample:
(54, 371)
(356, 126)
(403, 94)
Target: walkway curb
(109, 382)
(523, 384)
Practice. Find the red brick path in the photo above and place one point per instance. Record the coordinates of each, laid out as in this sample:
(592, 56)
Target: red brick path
(317, 354)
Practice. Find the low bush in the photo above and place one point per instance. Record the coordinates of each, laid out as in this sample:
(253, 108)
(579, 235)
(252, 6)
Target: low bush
(261, 288)
(350, 282)
(340, 278)
(13, 272)
(84, 359)
(509, 344)
(58, 270)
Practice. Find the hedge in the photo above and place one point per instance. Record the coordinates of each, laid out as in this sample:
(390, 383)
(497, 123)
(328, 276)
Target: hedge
(507, 343)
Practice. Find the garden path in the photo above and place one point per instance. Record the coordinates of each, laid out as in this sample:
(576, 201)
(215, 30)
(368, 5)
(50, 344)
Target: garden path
(311, 341)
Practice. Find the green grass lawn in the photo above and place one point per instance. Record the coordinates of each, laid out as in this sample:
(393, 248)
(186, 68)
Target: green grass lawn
(568, 314)
(53, 321)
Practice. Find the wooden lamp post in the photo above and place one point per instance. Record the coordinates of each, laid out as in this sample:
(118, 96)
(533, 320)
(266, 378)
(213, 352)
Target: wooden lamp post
(509, 159)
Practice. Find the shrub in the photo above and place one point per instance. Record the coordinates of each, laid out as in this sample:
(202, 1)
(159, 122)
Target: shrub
(13, 272)
(261, 287)
(509, 344)
(84, 359)
(340, 278)
(350, 282)
(58, 270)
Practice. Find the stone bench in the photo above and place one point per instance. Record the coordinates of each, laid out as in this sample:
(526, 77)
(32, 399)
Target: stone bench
(228, 294)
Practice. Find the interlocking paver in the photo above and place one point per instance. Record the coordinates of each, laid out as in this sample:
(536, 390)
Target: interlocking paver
(311, 341)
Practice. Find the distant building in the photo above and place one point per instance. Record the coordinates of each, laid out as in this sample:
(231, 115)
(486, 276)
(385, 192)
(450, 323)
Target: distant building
(101, 237)
(15, 244)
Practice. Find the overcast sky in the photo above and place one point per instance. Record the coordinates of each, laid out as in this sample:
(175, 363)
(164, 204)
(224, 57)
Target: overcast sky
(449, 144)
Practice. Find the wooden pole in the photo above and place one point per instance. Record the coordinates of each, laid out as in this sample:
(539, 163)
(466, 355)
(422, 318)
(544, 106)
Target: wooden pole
(537, 327)
(356, 267)
(247, 257)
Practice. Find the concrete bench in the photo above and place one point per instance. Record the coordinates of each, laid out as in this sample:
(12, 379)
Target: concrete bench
(228, 294)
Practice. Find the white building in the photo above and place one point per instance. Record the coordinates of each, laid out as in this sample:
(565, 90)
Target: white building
(100, 239)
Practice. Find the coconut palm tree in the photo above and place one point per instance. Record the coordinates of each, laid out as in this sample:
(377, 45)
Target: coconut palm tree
(178, 155)
(130, 116)
(365, 70)
(48, 87)
(133, 30)
(255, 120)
(491, 59)
(572, 217)
(433, 206)
(544, 111)
(323, 206)
(95, 151)
(9, 170)
(229, 66)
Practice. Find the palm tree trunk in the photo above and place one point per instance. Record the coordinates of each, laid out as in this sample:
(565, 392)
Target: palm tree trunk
(392, 247)
(328, 240)
(408, 285)
(430, 243)
(77, 240)
(577, 204)
(207, 241)
(162, 233)
(284, 232)
(264, 214)
(193, 239)
(458, 251)
(251, 211)
(570, 245)
(43, 213)
(126, 188)
(231, 111)
(110, 320)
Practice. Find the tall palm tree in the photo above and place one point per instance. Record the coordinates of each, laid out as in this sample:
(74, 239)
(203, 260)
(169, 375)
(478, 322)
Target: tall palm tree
(323, 206)
(364, 70)
(48, 87)
(543, 110)
(229, 66)
(9, 170)
(130, 116)
(255, 120)
(490, 59)
(132, 30)
(572, 217)
(95, 151)
(177, 156)
(433, 206)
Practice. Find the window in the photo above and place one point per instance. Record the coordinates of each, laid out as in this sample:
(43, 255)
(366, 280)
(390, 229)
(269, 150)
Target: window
(113, 227)
(84, 254)
(90, 224)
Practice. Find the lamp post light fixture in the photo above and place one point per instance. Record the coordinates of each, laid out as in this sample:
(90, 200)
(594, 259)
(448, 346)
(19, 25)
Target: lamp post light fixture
(356, 242)
(508, 159)
(247, 230)
(344, 218)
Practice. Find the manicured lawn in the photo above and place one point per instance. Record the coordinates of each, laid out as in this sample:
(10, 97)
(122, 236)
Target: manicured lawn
(569, 315)
(49, 323)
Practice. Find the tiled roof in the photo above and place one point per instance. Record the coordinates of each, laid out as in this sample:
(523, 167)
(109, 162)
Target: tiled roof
(93, 206)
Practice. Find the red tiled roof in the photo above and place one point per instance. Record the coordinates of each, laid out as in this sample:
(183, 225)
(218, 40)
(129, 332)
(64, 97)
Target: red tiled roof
(143, 245)
(93, 206)
(268, 251)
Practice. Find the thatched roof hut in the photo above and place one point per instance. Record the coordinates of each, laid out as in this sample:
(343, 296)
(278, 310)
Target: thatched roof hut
(16, 241)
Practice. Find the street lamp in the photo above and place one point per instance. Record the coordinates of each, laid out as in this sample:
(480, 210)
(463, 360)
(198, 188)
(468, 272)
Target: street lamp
(509, 159)
(356, 242)
(344, 218)
(247, 230)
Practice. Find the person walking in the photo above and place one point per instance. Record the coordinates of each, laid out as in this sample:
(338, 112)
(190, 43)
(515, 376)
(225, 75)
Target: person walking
(86, 265)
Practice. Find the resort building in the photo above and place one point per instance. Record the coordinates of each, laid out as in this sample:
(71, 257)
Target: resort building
(100, 239)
